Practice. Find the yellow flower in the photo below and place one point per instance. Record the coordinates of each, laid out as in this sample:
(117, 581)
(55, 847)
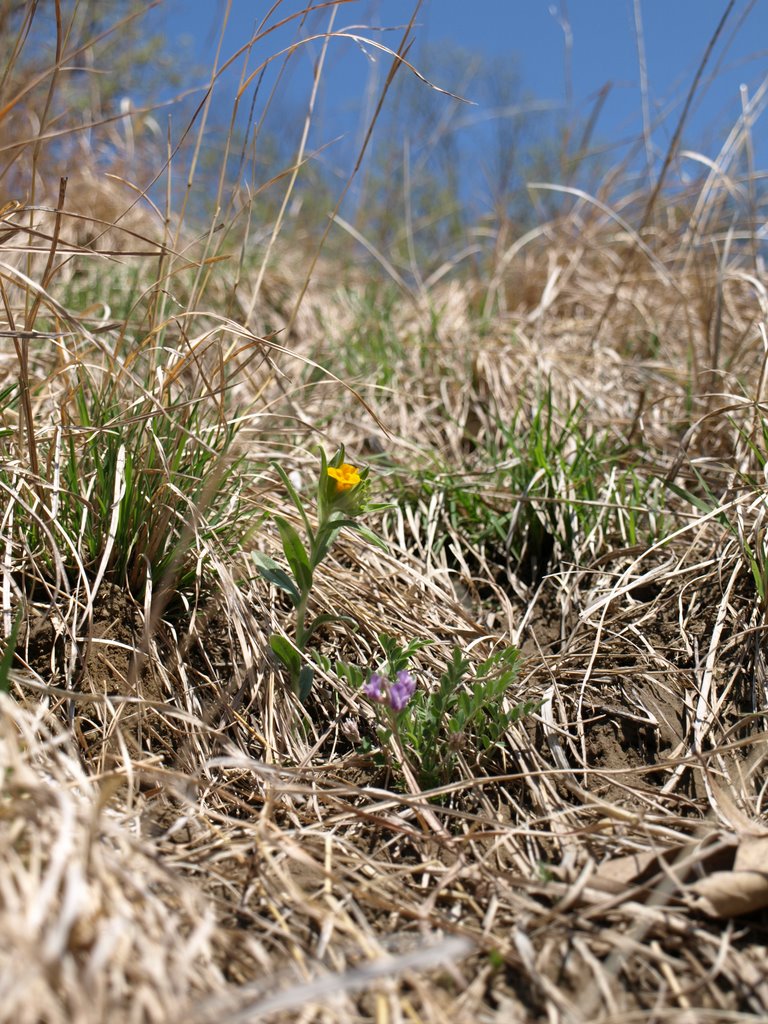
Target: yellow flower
(346, 476)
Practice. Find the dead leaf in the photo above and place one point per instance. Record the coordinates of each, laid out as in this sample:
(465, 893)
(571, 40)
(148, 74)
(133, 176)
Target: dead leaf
(617, 874)
(731, 893)
(752, 854)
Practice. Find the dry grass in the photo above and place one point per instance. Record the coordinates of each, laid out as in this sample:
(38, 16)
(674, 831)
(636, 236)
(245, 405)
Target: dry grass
(183, 840)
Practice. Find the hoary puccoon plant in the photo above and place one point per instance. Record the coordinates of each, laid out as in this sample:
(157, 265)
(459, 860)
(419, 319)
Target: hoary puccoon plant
(342, 496)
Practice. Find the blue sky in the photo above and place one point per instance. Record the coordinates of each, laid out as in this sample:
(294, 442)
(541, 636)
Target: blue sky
(532, 33)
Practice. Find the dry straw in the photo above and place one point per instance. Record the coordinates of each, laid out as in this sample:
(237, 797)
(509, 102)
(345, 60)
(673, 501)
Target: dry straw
(181, 839)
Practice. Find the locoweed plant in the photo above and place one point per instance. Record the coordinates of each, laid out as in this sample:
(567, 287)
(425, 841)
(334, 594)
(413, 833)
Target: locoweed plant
(460, 716)
(342, 496)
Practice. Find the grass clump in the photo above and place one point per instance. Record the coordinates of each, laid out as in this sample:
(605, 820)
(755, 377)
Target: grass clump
(373, 347)
(546, 489)
(146, 487)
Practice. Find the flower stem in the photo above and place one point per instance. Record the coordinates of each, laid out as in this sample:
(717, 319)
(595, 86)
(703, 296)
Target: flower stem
(301, 614)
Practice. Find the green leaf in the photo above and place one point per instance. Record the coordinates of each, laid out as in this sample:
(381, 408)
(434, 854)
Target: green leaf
(528, 707)
(337, 524)
(455, 671)
(353, 675)
(272, 573)
(287, 654)
(296, 553)
(336, 461)
(464, 707)
(505, 661)
(414, 646)
(322, 660)
(293, 494)
(321, 621)
(325, 538)
(306, 678)
(371, 537)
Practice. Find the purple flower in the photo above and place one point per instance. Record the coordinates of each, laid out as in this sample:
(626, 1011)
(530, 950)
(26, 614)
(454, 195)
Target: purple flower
(401, 691)
(376, 688)
(397, 694)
